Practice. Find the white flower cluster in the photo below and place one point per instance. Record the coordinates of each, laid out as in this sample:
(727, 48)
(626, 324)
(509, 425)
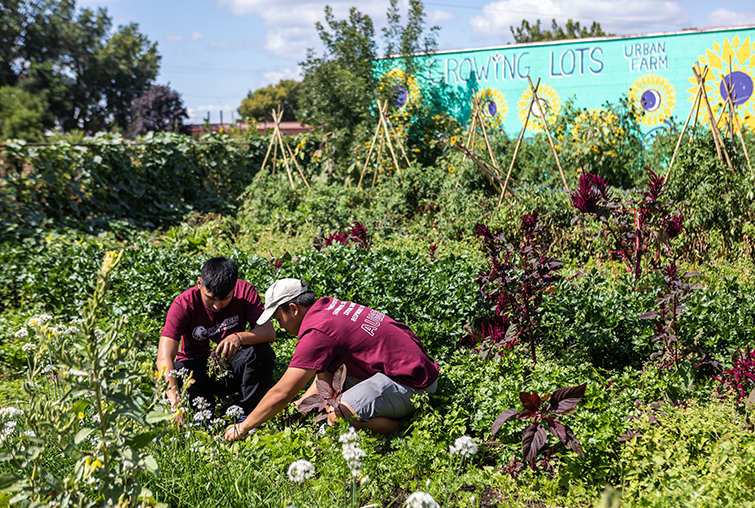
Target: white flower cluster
(300, 470)
(421, 499)
(351, 451)
(10, 412)
(202, 415)
(182, 373)
(10, 426)
(99, 334)
(48, 368)
(464, 446)
(22, 333)
(234, 411)
(29, 346)
(200, 403)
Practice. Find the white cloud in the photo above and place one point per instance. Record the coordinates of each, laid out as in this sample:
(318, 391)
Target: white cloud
(174, 38)
(273, 77)
(292, 22)
(196, 36)
(725, 17)
(437, 17)
(199, 114)
(614, 16)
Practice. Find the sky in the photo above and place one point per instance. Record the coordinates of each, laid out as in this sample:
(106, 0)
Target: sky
(215, 51)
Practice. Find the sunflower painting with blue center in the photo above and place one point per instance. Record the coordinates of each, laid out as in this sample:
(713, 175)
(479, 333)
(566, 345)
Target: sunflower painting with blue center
(655, 99)
(549, 104)
(403, 95)
(730, 65)
(493, 106)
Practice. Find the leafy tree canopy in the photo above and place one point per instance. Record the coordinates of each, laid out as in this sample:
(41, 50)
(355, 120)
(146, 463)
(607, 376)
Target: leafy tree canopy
(259, 103)
(572, 30)
(21, 115)
(88, 73)
(159, 109)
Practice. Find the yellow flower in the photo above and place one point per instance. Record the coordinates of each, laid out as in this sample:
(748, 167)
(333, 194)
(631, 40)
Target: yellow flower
(96, 464)
(450, 169)
(81, 415)
(367, 144)
(416, 150)
(453, 140)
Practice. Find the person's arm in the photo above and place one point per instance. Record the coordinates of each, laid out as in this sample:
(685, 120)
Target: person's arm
(166, 353)
(273, 402)
(260, 334)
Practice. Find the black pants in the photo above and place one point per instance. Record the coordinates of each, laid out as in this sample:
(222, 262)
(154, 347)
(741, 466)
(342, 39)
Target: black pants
(252, 369)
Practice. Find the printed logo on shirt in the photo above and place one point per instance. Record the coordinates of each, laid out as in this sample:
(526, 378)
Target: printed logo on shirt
(372, 321)
(333, 304)
(339, 308)
(201, 333)
(356, 314)
(349, 309)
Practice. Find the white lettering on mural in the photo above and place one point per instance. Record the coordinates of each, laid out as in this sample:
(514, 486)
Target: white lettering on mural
(493, 68)
(573, 62)
(643, 57)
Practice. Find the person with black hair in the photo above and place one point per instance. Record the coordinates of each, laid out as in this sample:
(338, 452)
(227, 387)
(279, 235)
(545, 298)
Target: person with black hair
(218, 309)
(386, 363)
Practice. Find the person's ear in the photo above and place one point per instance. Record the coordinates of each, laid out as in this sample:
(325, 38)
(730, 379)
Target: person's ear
(199, 281)
(294, 308)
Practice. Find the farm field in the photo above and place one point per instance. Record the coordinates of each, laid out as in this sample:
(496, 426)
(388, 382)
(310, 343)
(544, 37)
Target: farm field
(647, 337)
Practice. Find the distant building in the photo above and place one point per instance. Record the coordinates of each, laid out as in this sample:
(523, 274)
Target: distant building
(288, 128)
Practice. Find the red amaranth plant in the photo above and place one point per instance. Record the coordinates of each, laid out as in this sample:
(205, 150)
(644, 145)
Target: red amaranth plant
(515, 282)
(741, 377)
(562, 401)
(326, 395)
(356, 234)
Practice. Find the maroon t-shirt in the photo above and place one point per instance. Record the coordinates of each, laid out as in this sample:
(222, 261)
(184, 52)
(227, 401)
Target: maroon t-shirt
(195, 326)
(335, 332)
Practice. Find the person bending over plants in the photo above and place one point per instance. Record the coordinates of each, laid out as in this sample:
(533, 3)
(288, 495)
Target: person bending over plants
(218, 309)
(386, 363)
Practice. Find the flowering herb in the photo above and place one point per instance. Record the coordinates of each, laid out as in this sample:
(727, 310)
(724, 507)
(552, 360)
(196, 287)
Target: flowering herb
(301, 470)
(562, 401)
(464, 446)
(515, 282)
(218, 366)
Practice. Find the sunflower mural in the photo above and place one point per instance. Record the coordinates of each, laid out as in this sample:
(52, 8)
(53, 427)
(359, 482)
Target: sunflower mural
(655, 97)
(549, 104)
(731, 63)
(402, 92)
(493, 105)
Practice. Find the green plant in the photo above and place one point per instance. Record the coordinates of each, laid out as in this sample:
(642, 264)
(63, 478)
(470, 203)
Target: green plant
(100, 454)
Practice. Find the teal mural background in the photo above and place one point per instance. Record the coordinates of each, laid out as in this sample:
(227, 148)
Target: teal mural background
(654, 70)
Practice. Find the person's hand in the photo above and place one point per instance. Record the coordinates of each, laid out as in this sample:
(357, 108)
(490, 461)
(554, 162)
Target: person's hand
(229, 346)
(235, 431)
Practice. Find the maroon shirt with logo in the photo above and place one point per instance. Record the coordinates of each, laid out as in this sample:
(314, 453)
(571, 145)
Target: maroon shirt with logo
(195, 326)
(335, 333)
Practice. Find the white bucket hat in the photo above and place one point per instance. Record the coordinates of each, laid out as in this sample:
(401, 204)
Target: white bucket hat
(282, 291)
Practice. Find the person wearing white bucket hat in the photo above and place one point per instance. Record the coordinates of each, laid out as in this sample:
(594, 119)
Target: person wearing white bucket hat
(385, 361)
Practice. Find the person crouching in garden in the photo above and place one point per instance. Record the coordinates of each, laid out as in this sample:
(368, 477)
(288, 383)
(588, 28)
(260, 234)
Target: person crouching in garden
(384, 357)
(218, 309)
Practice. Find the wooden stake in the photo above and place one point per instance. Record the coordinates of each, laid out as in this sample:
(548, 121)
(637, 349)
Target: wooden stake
(518, 144)
(379, 159)
(398, 140)
(487, 142)
(548, 132)
(372, 147)
(388, 138)
(711, 118)
(681, 135)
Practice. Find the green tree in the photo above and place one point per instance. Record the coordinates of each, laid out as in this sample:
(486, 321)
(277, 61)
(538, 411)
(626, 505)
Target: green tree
(338, 87)
(21, 115)
(259, 103)
(88, 73)
(533, 33)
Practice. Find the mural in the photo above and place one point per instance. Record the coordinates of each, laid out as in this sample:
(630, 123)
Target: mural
(650, 69)
(731, 63)
(493, 106)
(549, 105)
(405, 94)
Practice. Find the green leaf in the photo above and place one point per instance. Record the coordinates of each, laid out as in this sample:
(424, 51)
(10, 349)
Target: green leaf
(141, 440)
(9, 481)
(82, 434)
(157, 416)
(150, 463)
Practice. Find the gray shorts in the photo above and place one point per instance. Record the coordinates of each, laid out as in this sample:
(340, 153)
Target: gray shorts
(379, 395)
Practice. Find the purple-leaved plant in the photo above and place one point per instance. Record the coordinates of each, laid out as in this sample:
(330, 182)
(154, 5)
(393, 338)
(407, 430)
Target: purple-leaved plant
(356, 235)
(562, 401)
(741, 377)
(326, 396)
(515, 282)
